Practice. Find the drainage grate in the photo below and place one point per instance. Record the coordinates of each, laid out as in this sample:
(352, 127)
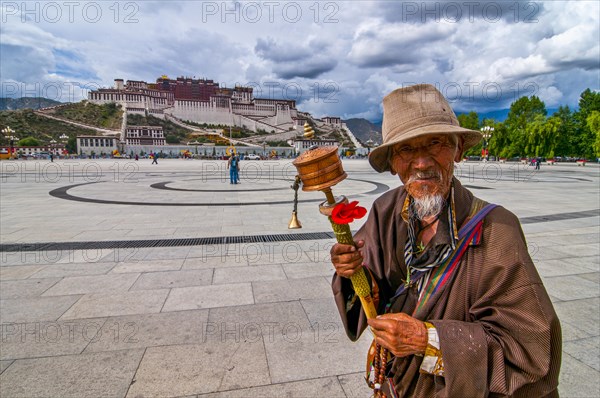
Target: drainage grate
(224, 240)
(560, 216)
(122, 244)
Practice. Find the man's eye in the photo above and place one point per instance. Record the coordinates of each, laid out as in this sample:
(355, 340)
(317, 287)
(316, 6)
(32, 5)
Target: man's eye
(406, 149)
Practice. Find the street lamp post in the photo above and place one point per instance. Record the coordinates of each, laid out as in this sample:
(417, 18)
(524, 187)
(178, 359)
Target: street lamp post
(52, 149)
(7, 131)
(369, 144)
(487, 132)
(63, 139)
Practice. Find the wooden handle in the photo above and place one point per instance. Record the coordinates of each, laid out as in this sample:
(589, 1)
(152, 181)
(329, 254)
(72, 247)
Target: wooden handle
(359, 280)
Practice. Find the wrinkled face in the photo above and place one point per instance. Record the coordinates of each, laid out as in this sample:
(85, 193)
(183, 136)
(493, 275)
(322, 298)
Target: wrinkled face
(426, 164)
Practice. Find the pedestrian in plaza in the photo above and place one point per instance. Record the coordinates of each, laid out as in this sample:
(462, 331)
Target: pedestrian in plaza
(538, 161)
(51, 157)
(462, 309)
(154, 158)
(233, 164)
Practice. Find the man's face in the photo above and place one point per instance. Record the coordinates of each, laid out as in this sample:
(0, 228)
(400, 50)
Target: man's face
(426, 164)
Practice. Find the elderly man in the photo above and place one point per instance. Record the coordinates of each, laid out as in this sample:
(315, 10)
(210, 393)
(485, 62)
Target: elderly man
(463, 312)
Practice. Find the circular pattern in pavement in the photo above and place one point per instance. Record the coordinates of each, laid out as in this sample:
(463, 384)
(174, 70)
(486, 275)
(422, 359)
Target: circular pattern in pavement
(63, 193)
(164, 185)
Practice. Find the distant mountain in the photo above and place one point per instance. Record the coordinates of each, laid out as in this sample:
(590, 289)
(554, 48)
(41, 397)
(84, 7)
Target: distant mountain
(364, 130)
(13, 104)
(500, 115)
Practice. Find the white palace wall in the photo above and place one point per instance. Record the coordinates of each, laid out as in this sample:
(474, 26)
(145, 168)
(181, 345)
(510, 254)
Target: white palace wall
(158, 113)
(133, 100)
(202, 112)
(264, 114)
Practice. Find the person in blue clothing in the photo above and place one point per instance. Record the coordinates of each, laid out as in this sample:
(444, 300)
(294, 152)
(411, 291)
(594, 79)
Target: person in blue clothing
(233, 164)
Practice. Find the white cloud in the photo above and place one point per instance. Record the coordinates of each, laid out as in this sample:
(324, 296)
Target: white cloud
(362, 49)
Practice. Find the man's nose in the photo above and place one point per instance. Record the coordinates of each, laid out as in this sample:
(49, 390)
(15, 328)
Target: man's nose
(422, 159)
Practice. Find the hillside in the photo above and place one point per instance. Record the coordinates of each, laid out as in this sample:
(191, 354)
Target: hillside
(108, 116)
(26, 123)
(11, 104)
(364, 130)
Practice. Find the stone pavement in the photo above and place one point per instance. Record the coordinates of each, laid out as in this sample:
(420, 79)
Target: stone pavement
(242, 319)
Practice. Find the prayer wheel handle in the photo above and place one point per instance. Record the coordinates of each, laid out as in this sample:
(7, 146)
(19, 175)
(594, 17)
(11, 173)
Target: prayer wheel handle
(319, 169)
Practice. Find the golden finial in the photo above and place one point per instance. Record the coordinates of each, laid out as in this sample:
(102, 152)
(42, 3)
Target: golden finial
(308, 131)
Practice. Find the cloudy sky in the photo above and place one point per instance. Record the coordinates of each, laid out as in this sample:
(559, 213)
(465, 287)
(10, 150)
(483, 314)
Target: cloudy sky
(333, 57)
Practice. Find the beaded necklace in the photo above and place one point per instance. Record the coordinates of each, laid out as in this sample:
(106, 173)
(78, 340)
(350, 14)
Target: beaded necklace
(380, 361)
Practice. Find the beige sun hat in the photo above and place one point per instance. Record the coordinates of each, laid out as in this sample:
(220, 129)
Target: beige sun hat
(415, 111)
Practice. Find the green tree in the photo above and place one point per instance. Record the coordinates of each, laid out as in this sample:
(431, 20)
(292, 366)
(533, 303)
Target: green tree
(541, 136)
(499, 142)
(28, 141)
(593, 122)
(522, 112)
(172, 139)
(584, 139)
(470, 121)
(71, 145)
(566, 132)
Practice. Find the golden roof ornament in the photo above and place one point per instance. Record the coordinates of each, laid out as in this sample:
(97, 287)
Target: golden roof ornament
(308, 131)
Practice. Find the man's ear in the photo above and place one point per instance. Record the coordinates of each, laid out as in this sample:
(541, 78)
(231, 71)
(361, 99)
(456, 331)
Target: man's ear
(392, 170)
(458, 155)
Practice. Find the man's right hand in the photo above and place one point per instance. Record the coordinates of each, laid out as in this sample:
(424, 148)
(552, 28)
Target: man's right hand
(347, 259)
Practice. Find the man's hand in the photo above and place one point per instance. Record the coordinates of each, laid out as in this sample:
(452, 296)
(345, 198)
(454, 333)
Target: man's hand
(400, 333)
(346, 259)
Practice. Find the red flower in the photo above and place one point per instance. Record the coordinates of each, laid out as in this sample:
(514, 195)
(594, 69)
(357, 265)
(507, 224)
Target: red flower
(346, 213)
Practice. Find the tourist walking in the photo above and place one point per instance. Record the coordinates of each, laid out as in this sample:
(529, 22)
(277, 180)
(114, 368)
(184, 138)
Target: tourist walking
(233, 164)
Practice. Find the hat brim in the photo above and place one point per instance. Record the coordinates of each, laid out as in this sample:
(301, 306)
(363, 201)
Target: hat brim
(379, 157)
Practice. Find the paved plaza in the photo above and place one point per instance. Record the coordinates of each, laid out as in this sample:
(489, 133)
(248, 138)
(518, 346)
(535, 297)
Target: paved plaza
(125, 279)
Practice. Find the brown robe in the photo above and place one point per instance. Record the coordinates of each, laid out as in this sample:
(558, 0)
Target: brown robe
(499, 333)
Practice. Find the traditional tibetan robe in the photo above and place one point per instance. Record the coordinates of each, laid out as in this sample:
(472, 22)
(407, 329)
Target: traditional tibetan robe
(498, 332)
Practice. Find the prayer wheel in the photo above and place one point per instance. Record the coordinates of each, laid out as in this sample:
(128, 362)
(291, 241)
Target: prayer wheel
(319, 169)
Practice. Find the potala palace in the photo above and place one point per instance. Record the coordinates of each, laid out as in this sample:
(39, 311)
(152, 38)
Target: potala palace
(203, 101)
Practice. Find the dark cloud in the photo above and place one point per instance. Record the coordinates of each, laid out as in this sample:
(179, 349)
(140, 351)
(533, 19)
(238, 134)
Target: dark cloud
(12, 68)
(198, 53)
(585, 64)
(372, 48)
(310, 70)
(292, 60)
(444, 64)
(376, 47)
(393, 57)
(422, 12)
(269, 49)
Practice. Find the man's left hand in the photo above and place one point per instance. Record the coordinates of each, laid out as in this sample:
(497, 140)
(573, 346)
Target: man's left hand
(400, 333)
